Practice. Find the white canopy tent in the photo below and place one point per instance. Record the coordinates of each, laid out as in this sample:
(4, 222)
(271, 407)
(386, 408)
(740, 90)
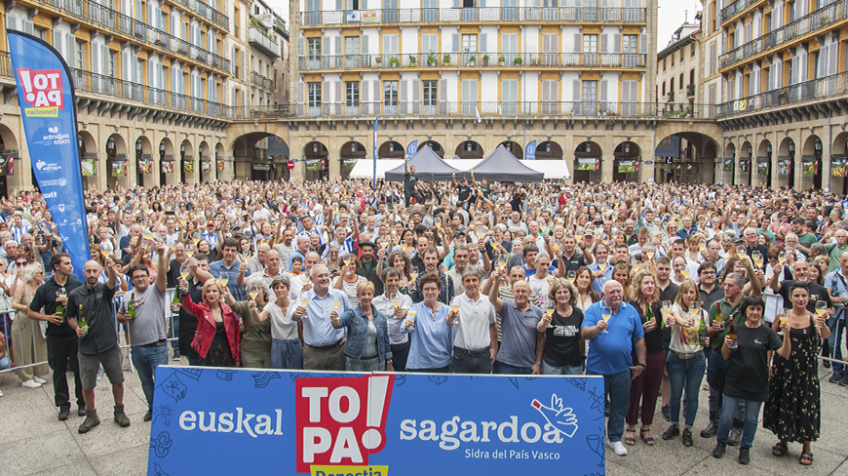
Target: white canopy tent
(364, 168)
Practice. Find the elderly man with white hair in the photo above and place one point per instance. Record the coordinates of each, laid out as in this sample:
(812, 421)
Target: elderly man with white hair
(615, 331)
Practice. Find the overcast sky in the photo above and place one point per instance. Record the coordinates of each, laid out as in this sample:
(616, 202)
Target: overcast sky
(671, 15)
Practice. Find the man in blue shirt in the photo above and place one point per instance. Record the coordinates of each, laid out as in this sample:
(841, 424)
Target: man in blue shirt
(836, 284)
(613, 341)
(323, 349)
(236, 271)
(601, 276)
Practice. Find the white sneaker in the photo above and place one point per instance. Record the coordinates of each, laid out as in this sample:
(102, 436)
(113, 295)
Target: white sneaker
(39, 380)
(31, 384)
(1, 393)
(618, 447)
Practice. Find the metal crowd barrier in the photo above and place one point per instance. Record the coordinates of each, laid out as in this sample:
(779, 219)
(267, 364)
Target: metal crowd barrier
(7, 331)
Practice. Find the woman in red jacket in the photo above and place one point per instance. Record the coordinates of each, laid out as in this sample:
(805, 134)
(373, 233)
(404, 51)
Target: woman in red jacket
(217, 338)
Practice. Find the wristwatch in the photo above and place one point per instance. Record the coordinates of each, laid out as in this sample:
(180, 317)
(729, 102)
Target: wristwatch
(538, 363)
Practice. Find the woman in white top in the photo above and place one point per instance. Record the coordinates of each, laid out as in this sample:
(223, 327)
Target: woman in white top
(286, 349)
(685, 363)
(348, 281)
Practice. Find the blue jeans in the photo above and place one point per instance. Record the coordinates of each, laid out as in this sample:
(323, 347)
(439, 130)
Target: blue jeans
(174, 331)
(548, 369)
(716, 375)
(146, 359)
(5, 363)
(728, 411)
(685, 373)
(834, 343)
(511, 369)
(617, 390)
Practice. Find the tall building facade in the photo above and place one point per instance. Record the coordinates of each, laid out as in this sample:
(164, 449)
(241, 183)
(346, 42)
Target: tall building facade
(157, 83)
(783, 81)
(467, 75)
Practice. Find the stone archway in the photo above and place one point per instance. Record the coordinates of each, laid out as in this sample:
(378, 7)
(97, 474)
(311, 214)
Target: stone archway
(143, 157)
(549, 150)
(317, 161)
(587, 162)
(786, 163)
(391, 150)
(260, 156)
(627, 159)
(746, 157)
(437, 148)
(350, 152)
(188, 162)
(686, 157)
(469, 149)
(167, 161)
(763, 166)
(117, 164)
(838, 160)
(811, 163)
(89, 159)
(514, 148)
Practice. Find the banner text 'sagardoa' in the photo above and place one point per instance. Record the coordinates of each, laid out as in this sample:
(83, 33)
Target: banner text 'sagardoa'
(48, 111)
(321, 423)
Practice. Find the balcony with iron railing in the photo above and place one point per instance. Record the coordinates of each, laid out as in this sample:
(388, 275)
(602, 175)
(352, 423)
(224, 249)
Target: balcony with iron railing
(138, 30)
(260, 40)
(816, 20)
(738, 6)
(86, 82)
(203, 10)
(417, 16)
(440, 61)
(813, 90)
(604, 110)
(261, 81)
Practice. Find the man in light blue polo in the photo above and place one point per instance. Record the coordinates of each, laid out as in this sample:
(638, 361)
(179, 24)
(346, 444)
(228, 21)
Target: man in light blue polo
(323, 349)
(613, 341)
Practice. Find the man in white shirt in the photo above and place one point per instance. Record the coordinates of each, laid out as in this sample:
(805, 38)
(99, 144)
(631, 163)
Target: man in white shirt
(475, 332)
(395, 315)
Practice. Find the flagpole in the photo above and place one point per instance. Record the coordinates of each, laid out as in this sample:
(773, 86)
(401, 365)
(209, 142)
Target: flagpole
(376, 122)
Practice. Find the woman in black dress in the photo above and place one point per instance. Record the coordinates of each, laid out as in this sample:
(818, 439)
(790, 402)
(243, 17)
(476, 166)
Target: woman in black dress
(792, 411)
(564, 347)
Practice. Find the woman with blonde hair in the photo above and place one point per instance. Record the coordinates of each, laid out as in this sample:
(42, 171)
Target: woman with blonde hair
(30, 346)
(644, 297)
(685, 363)
(218, 338)
(367, 348)
(564, 346)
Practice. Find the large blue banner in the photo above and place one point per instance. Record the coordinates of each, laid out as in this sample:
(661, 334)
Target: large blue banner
(239, 421)
(48, 109)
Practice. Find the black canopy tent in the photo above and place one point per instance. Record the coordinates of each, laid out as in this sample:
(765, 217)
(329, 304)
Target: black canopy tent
(502, 166)
(428, 167)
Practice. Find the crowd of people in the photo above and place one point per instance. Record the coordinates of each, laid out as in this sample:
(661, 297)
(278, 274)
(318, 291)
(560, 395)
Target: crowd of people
(653, 287)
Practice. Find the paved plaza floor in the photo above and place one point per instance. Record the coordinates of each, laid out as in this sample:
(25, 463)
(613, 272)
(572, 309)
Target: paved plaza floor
(34, 442)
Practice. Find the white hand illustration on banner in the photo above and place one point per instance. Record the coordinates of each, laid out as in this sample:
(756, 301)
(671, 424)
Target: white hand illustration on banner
(558, 417)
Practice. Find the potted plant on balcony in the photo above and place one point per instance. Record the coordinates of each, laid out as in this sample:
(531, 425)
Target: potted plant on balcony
(472, 61)
(412, 60)
(501, 60)
(517, 61)
(379, 60)
(446, 60)
(485, 60)
(432, 60)
(393, 62)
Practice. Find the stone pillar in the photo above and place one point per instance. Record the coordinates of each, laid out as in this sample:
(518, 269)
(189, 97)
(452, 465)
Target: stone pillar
(824, 168)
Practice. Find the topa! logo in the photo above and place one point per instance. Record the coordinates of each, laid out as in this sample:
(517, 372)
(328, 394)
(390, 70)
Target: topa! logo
(42, 91)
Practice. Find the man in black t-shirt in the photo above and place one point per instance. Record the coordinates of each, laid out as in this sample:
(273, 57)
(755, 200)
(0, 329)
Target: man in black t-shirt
(410, 184)
(464, 192)
(62, 340)
(800, 270)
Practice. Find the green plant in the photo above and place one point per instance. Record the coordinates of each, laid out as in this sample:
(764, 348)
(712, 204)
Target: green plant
(253, 22)
(502, 59)
(393, 62)
(517, 61)
(412, 60)
(486, 60)
(446, 59)
(431, 58)
(378, 59)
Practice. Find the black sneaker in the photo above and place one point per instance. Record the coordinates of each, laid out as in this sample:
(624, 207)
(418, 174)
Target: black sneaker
(710, 431)
(81, 411)
(64, 411)
(734, 438)
(148, 416)
(666, 412)
(177, 356)
(672, 431)
(718, 451)
(744, 455)
(826, 364)
(844, 381)
(835, 378)
(687, 437)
